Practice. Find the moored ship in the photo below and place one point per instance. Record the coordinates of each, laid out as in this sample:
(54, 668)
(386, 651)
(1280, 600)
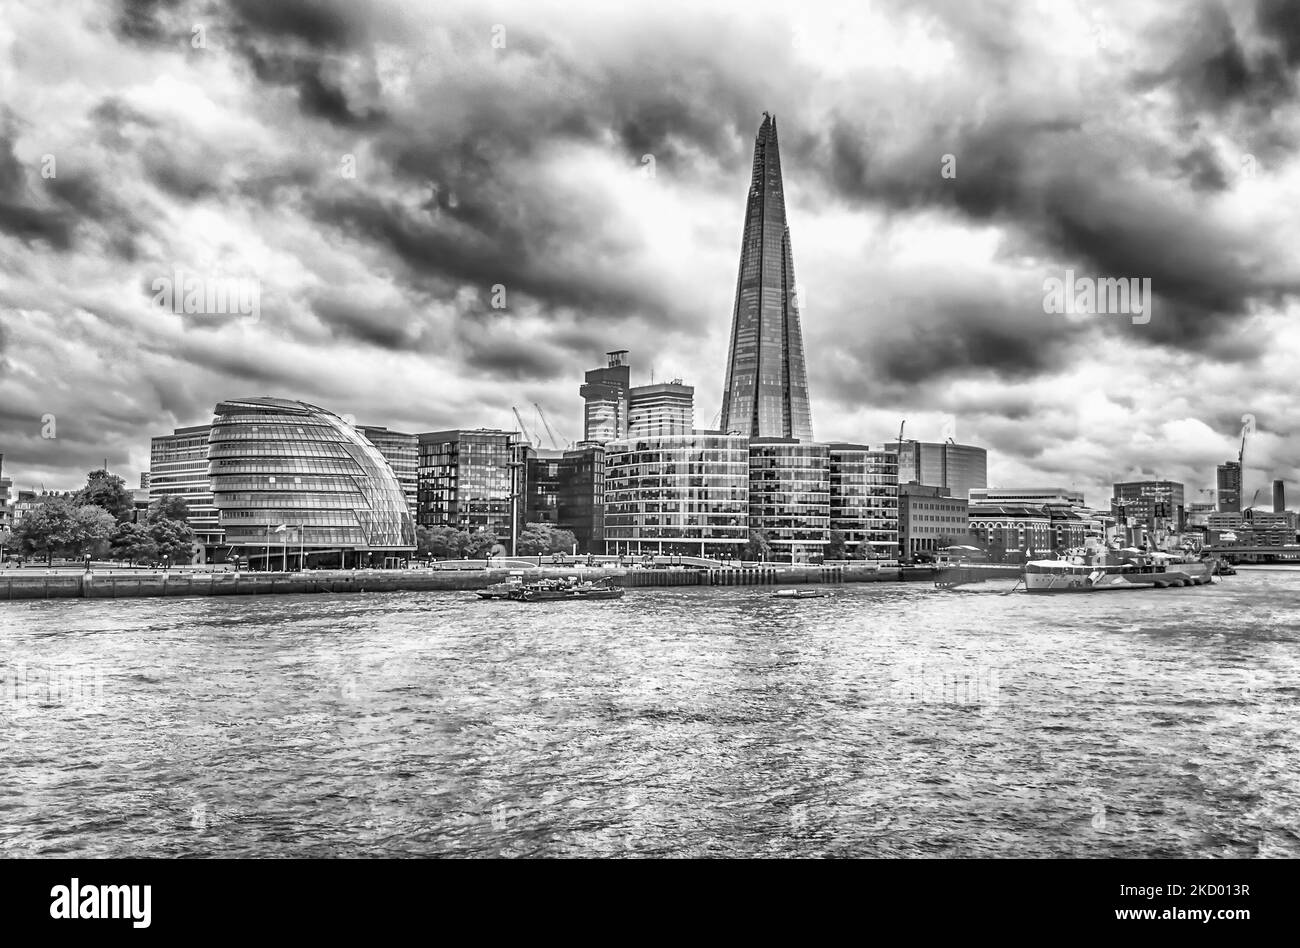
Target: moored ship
(567, 590)
(1096, 570)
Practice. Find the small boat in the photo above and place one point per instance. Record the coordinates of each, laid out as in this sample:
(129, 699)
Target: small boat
(564, 590)
(497, 591)
(799, 594)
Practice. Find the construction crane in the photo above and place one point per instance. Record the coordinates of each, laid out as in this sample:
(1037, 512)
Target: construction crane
(527, 437)
(547, 425)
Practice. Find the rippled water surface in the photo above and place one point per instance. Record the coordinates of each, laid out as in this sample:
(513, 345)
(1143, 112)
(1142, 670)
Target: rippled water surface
(883, 720)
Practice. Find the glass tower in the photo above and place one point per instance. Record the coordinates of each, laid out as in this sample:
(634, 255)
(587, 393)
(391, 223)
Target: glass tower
(766, 389)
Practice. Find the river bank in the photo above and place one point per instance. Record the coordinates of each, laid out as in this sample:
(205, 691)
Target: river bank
(120, 584)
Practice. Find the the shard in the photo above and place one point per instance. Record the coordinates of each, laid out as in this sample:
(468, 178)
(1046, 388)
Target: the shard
(766, 391)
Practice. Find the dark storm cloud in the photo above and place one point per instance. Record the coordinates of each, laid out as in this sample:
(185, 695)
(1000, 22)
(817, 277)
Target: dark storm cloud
(351, 319)
(1213, 71)
(319, 95)
(146, 20)
(500, 354)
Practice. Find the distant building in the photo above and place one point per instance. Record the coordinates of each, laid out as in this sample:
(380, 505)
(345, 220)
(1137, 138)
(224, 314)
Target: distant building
(930, 518)
(471, 480)
(790, 496)
(1279, 496)
(1228, 486)
(144, 480)
(1056, 496)
(958, 467)
(1154, 505)
(401, 451)
(666, 408)
(864, 502)
(293, 482)
(604, 395)
(677, 494)
(179, 467)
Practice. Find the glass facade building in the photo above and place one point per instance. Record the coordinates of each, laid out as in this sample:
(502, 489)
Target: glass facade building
(297, 482)
(790, 496)
(864, 499)
(567, 490)
(667, 408)
(467, 479)
(401, 451)
(604, 399)
(765, 393)
(958, 467)
(677, 494)
(178, 467)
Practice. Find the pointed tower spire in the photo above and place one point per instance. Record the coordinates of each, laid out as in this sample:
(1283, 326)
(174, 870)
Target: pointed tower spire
(766, 390)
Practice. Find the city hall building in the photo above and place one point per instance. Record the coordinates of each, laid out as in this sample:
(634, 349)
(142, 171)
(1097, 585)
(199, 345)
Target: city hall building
(295, 485)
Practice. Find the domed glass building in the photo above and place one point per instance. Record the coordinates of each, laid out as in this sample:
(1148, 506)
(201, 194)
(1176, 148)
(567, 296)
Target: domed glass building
(294, 484)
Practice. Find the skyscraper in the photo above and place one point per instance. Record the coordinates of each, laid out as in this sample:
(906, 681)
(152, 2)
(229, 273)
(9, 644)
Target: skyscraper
(1228, 485)
(604, 395)
(766, 390)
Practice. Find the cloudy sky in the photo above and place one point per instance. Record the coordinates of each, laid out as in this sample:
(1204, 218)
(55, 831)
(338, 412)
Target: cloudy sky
(375, 170)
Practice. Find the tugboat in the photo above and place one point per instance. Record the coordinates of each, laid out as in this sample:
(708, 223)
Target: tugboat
(567, 590)
(1098, 569)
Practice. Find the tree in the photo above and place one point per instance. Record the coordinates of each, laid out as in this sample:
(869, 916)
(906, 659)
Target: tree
(58, 527)
(836, 547)
(445, 543)
(169, 507)
(479, 544)
(543, 539)
(174, 539)
(132, 542)
(759, 546)
(108, 492)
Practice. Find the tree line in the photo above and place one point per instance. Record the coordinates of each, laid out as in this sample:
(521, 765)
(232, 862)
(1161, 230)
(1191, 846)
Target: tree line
(100, 521)
(450, 543)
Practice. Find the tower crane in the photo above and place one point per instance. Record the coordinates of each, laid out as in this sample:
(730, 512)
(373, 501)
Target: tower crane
(527, 436)
(547, 425)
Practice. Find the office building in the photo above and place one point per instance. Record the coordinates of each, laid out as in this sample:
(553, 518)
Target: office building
(930, 518)
(471, 480)
(144, 480)
(1154, 505)
(401, 451)
(604, 396)
(790, 497)
(864, 502)
(566, 489)
(667, 408)
(1279, 496)
(677, 494)
(1228, 487)
(179, 467)
(293, 483)
(765, 393)
(958, 467)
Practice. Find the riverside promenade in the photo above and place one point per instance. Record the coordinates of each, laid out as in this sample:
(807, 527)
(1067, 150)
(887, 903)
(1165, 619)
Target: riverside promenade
(108, 583)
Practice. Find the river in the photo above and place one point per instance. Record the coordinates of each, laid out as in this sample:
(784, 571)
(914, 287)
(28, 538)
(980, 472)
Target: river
(881, 720)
